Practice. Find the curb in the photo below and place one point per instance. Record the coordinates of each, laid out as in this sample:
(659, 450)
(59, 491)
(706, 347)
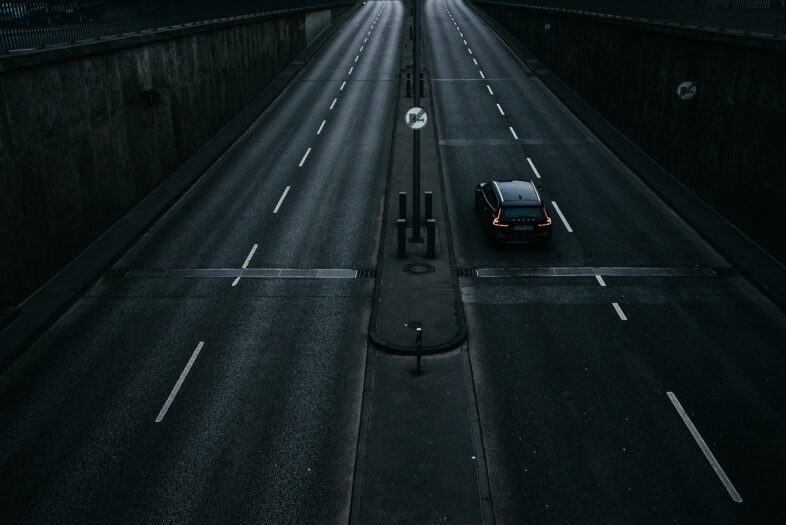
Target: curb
(765, 272)
(45, 306)
(461, 336)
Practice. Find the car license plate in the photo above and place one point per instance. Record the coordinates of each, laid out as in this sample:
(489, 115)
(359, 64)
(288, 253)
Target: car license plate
(523, 227)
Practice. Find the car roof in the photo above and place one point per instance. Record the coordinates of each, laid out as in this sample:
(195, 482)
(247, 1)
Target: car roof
(517, 193)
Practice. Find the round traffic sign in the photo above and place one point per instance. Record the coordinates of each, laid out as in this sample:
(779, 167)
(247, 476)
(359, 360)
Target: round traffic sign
(686, 90)
(416, 117)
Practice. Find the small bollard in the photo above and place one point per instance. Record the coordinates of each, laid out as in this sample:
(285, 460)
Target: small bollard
(429, 206)
(431, 235)
(402, 205)
(418, 345)
(409, 85)
(401, 226)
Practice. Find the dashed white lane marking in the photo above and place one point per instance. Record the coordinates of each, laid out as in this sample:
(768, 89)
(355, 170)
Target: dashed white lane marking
(461, 34)
(481, 74)
(620, 313)
(705, 449)
(564, 220)
(465, 43)
(342, 86)
(489, 88)
(303, 160)
(333, 104)
(351, 69)
(475, 60)
(500, 110)
(280, 201)
(248, 260)
(600, 280)
(182, 378)
(356, 57)
(534, 169)
(470, 50)
(513, 132)
(321, 126)
(365, 40)
(361, 48)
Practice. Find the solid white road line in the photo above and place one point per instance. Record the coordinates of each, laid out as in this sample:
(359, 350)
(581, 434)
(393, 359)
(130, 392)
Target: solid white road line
(500, 110)
(513, 132)
(564, 220)
(489, 88)
(280, 201)
(534, 169)
(705, 449)
(321, 126)
(342, 86)
(600, 280)
(303, 160)
(334, 103)
(183, 375)
(481, 74)
(619, 311)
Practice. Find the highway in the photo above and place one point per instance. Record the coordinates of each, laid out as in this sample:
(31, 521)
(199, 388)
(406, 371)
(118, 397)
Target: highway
(263, 427)
(217, 373)
(577, 423)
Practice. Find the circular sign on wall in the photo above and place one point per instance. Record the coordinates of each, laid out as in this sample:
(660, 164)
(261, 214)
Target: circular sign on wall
(686, 90)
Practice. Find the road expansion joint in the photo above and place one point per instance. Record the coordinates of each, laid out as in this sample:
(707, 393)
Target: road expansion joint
(416, 287)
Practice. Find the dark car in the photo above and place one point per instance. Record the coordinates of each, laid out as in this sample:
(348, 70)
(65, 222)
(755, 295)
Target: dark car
(511, 211)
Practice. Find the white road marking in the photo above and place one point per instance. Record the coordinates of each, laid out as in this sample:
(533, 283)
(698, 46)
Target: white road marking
(475, 60)
(461, 34)
(321, 126)
(183, 375)
(500, 110)
(361, 48)
(513, 131)
(564, 221)
(481, 74)
(465, 43)
(490, 92)
(280, 201)
(534, 169)
(619, 311)
(303, 160)
(470, 50)
(356, 57)
(334, 103)
(705, 449)
(365, 40)
(342, 86)
(600, 280)
(369, 33)
(245, 264)
(351, 69)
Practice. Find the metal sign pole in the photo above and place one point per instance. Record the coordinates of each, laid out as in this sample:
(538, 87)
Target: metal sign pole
(416, 132)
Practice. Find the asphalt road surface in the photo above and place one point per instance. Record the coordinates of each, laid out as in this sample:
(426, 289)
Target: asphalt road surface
(263, 426)
(623, 374)
(573, 391)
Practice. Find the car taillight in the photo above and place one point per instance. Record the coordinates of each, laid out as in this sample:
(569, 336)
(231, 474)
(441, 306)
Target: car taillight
(496, 222)
(548, 219)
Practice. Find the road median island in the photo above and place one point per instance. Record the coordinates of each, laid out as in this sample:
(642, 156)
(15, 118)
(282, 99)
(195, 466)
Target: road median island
(416, 288)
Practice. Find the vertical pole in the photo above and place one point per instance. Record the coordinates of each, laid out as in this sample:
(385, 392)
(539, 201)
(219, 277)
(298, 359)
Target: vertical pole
(419, 346)
(429, 205)
(416, 133)
(402, 205)
(401, 227)
(431, 238)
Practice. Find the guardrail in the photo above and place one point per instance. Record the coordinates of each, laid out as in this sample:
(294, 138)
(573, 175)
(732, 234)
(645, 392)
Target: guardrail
(35, 24)
(749, 17)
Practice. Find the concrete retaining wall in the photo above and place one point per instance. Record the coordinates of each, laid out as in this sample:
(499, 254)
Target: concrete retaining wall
(86, 132)
(727, 144)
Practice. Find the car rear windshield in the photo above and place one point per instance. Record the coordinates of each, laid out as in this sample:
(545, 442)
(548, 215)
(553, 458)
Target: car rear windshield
(523, 212)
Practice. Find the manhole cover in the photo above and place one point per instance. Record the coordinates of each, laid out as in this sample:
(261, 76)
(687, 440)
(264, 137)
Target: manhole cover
(419, 268)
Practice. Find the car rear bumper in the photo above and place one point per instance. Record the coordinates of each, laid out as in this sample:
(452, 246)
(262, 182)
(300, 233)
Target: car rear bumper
(533, 237)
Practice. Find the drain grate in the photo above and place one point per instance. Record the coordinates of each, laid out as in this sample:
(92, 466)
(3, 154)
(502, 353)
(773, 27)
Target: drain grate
(466, 272)
(724, 271)
(369, 273)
